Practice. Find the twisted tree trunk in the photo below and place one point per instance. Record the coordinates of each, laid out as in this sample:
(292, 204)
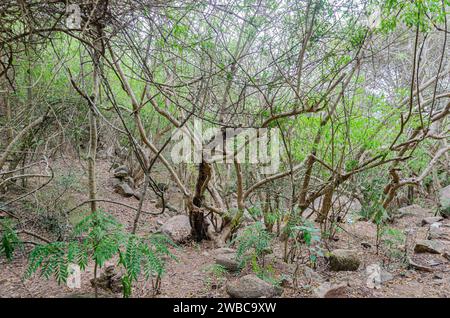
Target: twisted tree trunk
(196, 215)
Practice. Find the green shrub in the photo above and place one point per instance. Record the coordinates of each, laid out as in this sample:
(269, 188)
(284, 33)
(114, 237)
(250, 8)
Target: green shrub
(9, 239)
(252, 244)
(99, 237)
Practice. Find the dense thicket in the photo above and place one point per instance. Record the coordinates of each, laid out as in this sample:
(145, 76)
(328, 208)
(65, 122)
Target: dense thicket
(359, 91)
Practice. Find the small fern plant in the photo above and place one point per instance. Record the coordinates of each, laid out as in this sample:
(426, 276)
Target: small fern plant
(99, 238)
(305, 234)
(252, 245)
(144, 256)
(9, 239)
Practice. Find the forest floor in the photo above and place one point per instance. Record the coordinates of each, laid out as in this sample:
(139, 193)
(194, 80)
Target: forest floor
(188, 275)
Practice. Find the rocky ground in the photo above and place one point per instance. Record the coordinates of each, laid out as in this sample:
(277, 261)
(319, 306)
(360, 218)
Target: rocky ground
(352, 266)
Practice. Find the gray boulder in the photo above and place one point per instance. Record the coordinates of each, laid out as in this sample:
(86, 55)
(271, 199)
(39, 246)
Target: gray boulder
(177, 228)
(376, 276)
(444, 200)
(228, 261)
(414, 265)
(224, 250)
(344, 260)
(429, 246)
(226, 257)
(432, 219)
(123, 189)
(121, 172)
(328, 290)
(437, 232)
(251, 286)
(276, 263)
(130, 181)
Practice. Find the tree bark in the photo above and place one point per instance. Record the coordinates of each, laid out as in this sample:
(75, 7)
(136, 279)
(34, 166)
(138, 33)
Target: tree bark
(5, 111)
(196, 215)
(327, 202)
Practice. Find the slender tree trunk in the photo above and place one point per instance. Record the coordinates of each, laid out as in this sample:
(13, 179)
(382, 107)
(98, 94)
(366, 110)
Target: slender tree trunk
(196, 215)
(326, 205)
(91, 161)
(5, 109)
(93, 133)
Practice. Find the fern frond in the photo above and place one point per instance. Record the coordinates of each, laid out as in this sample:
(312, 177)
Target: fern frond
(9, 239)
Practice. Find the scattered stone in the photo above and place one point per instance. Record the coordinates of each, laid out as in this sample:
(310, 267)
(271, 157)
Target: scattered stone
(433, 262)
(226, 257)
(124, 189)
(377, 276)
(418, 266)
(386, 276)
(344, 260)
(178, 228)
(431, 220)
(224, 250)
(429, 246)
(130, 181)
(437, 233)
(328, 290)
(278, 264)
(121, 172)
(115, 182)
(251, 286)
(110, 279)
(228, 261)
(444, 200)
